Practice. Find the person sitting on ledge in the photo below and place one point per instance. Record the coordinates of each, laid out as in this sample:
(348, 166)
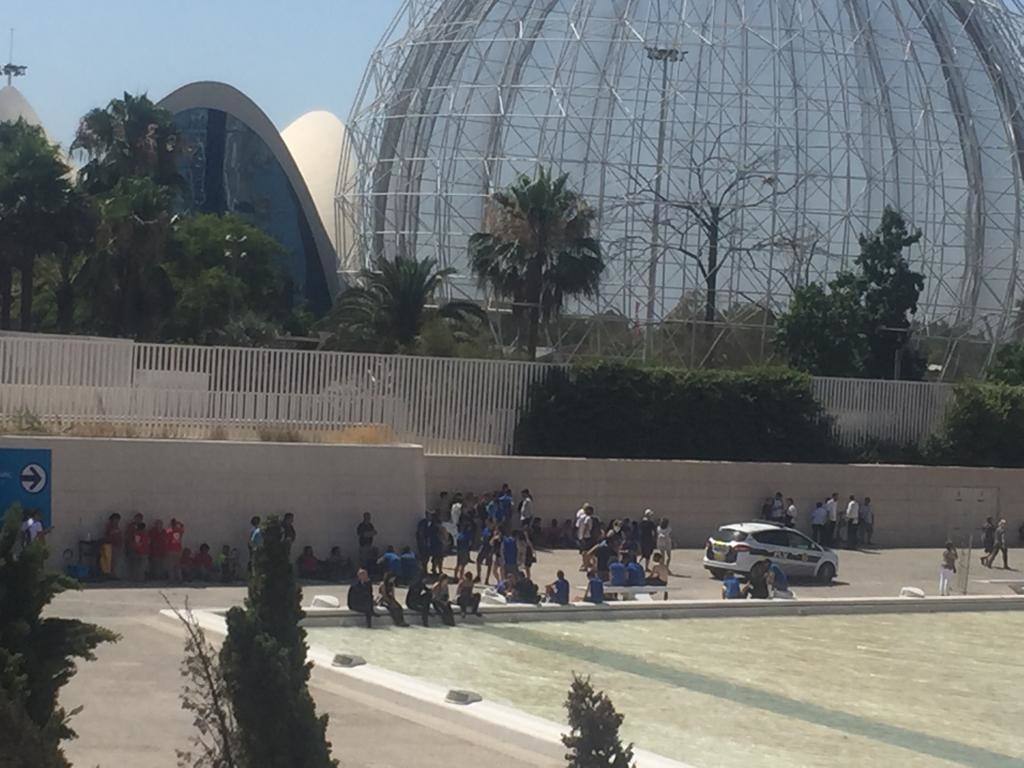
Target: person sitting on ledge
(758, 581)
(417, 599)
(388, 600)
(360, 596)
(595, 589)
(558, 590)
(338, 566)
(526, 591)
(308, 566)
(658, 575)
(731, 588)
(441, 600)
(465, 596)
(634, 573)
(617, 572)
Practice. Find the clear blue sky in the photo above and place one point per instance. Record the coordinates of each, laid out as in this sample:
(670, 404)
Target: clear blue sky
(289, 56)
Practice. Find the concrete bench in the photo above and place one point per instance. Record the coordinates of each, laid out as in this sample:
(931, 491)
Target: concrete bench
(630, 593)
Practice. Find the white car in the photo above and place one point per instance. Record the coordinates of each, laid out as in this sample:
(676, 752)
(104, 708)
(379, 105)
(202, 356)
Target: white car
(736, 547)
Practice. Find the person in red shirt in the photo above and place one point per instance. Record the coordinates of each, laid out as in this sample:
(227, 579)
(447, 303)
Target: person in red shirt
(138, 551)
(175, 535)
(157, 550)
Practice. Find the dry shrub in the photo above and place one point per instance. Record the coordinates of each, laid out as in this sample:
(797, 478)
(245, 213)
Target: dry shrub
(364, 434)
(275, 434)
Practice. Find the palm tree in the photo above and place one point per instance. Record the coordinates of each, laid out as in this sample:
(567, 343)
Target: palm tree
(388, 310)
(536, 249)
(131, 137)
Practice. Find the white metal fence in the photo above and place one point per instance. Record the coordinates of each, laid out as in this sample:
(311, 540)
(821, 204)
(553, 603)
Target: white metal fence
(448, 405)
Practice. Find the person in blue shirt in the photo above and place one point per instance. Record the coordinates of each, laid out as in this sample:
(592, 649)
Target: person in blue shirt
(504, 503)
(509, 555)
(410, 566)
(462, 544)
(731, 589)
(617, 572)
(635, 575)
(595, 589)
(558, 590)
(391, 562)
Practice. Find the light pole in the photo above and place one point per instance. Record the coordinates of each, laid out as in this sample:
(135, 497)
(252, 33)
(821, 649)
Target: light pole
(666, 56)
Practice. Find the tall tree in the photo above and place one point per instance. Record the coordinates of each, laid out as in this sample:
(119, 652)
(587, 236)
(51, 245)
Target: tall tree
(265, 669)
(36, 198)
(223, 269)
(37, 654)
(861, 325)
(127, 290)
(593, 741)
(387, 312)
(130, 138)
(536, 249)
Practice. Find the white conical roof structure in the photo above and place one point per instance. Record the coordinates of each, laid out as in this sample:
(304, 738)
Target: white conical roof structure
(14, 105)
(315, 140)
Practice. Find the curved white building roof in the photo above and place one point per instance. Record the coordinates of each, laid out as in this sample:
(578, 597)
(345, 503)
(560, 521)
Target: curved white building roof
(315, 141)
(14, 105)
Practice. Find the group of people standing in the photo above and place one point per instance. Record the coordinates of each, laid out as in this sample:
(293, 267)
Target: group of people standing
(833, 522)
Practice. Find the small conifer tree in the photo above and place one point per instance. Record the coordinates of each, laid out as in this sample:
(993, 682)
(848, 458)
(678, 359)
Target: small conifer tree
(593, 741)
(265, 669)
(37, 655)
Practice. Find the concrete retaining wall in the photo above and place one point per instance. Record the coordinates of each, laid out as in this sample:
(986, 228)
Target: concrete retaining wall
(914, 506)
(214, 487)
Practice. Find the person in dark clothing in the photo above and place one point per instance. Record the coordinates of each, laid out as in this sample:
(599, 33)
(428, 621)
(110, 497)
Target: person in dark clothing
(388, 600)
(465, 596)
(417, 599)
(408, 565)
(360, 596)
(988, 535)
(288, 530)
(757, 581)
(602, 554)
(436, 543)
(423, 540)
(441, 600)
(648, 536)
(525, 591)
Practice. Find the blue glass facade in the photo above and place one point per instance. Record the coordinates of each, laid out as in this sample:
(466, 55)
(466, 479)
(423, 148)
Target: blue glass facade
(229, 169)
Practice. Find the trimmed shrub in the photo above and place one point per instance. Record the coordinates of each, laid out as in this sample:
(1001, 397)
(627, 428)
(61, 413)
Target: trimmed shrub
(984, 427)
(611, 410)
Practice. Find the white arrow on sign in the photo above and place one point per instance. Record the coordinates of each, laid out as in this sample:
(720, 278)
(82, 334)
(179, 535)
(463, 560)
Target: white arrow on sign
(33, 478)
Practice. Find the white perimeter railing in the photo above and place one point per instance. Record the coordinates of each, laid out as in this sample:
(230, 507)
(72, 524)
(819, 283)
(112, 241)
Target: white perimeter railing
(448, 405)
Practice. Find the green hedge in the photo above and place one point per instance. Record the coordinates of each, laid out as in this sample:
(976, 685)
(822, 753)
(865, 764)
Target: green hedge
(984, 427)
(610, 410)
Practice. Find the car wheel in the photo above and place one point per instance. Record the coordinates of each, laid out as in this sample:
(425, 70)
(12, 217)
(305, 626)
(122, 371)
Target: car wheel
(826, 573)
(718, 573)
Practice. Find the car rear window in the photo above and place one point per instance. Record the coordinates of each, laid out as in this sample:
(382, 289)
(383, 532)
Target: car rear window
(730, 534)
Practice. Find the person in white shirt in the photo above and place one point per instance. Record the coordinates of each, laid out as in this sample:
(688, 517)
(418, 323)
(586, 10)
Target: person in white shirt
(526, 510)
(31, 528)
(778, 508)
(791, 513)
(832, 510)
(818, 519)
(852, 522)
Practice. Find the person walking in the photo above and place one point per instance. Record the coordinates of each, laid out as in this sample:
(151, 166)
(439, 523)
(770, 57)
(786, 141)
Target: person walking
(819, 517)
(664, 541)
(852, 522)
(947, 569)
(867, 520)
(988, 537)
(999, 545)
(648, 536)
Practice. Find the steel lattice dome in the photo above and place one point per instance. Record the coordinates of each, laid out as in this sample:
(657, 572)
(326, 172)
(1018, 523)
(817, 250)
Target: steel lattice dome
(798, 119)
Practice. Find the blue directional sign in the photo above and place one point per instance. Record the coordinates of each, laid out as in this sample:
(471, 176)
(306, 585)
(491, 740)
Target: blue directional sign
(26, 478)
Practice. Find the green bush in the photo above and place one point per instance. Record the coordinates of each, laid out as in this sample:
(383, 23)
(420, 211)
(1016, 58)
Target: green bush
(610, 410)
(984, 427)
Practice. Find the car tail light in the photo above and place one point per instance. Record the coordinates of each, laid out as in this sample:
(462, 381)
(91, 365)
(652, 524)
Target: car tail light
(741, 548)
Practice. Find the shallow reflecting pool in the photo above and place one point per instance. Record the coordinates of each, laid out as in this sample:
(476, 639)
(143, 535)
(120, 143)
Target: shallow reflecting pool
(913, 690)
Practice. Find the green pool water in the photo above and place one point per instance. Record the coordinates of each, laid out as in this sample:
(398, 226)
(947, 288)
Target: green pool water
(911, 690)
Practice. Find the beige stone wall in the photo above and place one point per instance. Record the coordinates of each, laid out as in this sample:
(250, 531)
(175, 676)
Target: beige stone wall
(914, 506)
(214, 487)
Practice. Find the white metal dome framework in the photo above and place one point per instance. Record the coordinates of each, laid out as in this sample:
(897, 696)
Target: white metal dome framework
(733, 145)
